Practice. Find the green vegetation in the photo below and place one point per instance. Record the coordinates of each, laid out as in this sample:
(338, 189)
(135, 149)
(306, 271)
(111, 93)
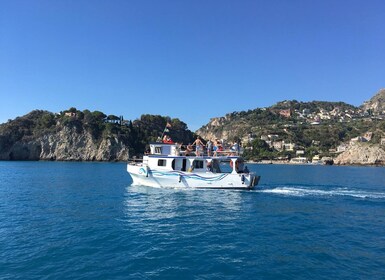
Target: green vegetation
(316, 128)
(135, 135)
(303, 127)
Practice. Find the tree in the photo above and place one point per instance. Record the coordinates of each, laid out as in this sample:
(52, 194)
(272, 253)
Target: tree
(258, 150)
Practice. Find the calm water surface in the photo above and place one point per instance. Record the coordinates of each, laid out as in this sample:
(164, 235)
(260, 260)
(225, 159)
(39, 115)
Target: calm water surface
(84, 221)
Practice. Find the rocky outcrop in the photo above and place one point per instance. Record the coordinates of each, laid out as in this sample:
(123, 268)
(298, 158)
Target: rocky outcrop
(67, 145)
(376, 105)
(362, 154)
(223, 128)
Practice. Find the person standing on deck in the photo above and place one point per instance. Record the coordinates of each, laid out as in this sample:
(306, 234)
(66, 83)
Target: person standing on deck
(198, 146)
(209, 146)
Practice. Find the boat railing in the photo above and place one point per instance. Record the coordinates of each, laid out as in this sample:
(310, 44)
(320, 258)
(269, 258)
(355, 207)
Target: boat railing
(223, 153)
(135, 161)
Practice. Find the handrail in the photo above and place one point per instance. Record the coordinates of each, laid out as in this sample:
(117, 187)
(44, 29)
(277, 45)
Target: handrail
(135, 160)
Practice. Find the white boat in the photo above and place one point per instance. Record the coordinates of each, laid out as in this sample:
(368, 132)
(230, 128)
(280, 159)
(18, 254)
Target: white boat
(166, 166)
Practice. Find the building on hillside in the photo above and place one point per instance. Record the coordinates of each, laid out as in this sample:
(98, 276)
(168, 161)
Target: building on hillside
(70, 114)
(278, 145)
(336, 111)
(306, 112)
(324, 115)
(315, 142)
(299, 160)
(273, 136)
(316, 160)
(288, 146)
(358, 139)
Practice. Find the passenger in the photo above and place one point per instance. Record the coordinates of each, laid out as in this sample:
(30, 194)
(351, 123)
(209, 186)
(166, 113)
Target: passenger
(240, 166)
(198, 146)
(189, 149)
(167, 139)
(178, 147)
(235, 149)
(209, 146)
(217, 147)
(246, 170)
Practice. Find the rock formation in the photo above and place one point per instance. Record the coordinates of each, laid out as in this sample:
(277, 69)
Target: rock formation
(376, 105)
(362, 154)
(67, 145)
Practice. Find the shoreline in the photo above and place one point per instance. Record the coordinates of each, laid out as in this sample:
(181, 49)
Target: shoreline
(264, 162)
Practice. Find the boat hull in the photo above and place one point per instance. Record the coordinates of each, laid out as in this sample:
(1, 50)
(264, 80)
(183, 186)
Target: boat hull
(142, 175)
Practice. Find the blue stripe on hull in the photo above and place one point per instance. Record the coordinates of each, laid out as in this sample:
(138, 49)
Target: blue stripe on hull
(188, 175)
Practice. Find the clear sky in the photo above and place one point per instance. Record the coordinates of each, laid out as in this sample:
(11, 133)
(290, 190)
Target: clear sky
(187, 59)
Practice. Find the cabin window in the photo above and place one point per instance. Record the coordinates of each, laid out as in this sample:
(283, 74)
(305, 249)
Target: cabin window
(161, 162)
(215, 166)
(158, 150)
(198, 164)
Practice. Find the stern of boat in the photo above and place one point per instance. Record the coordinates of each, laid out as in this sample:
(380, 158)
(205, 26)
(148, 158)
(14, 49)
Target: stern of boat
(254, 181)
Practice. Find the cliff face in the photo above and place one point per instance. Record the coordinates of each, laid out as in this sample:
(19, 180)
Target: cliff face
(224, 128)
(68, 145)
(376, 104)
(362, 154)
(75, 135)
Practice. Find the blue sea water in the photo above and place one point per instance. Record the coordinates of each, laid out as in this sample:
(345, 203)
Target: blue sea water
(71, 220)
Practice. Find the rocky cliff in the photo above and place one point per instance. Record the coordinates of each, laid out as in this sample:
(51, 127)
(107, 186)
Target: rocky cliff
(228, 128)
(75, 135)
(376, 105)
(42, 135)
(362, 154)
(67, 145)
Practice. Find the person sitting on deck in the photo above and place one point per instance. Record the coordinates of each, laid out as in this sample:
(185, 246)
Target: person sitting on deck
(219, 147)
(245, 170)
(167, 139)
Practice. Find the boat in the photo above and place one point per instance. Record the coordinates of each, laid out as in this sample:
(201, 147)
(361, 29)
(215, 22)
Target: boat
(166, 166)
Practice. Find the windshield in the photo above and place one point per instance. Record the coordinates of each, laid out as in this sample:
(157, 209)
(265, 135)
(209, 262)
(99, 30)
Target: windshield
(221, 166)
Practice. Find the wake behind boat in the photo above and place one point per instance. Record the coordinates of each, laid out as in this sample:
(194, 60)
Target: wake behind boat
(167, 166)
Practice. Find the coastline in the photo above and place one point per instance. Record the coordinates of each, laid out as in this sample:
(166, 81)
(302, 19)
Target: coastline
(246, 162)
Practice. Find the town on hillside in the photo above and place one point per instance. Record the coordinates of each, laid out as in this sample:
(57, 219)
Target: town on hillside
(301, 132)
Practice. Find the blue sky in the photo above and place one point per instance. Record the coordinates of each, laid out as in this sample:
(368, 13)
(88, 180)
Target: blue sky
(191, 60)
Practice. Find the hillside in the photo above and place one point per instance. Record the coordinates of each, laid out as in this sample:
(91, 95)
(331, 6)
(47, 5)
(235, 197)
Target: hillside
(82, 136)
(283, 131)
(291, 128)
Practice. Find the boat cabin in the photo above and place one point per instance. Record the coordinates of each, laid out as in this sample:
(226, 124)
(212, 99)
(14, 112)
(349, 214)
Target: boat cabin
(169, 157)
